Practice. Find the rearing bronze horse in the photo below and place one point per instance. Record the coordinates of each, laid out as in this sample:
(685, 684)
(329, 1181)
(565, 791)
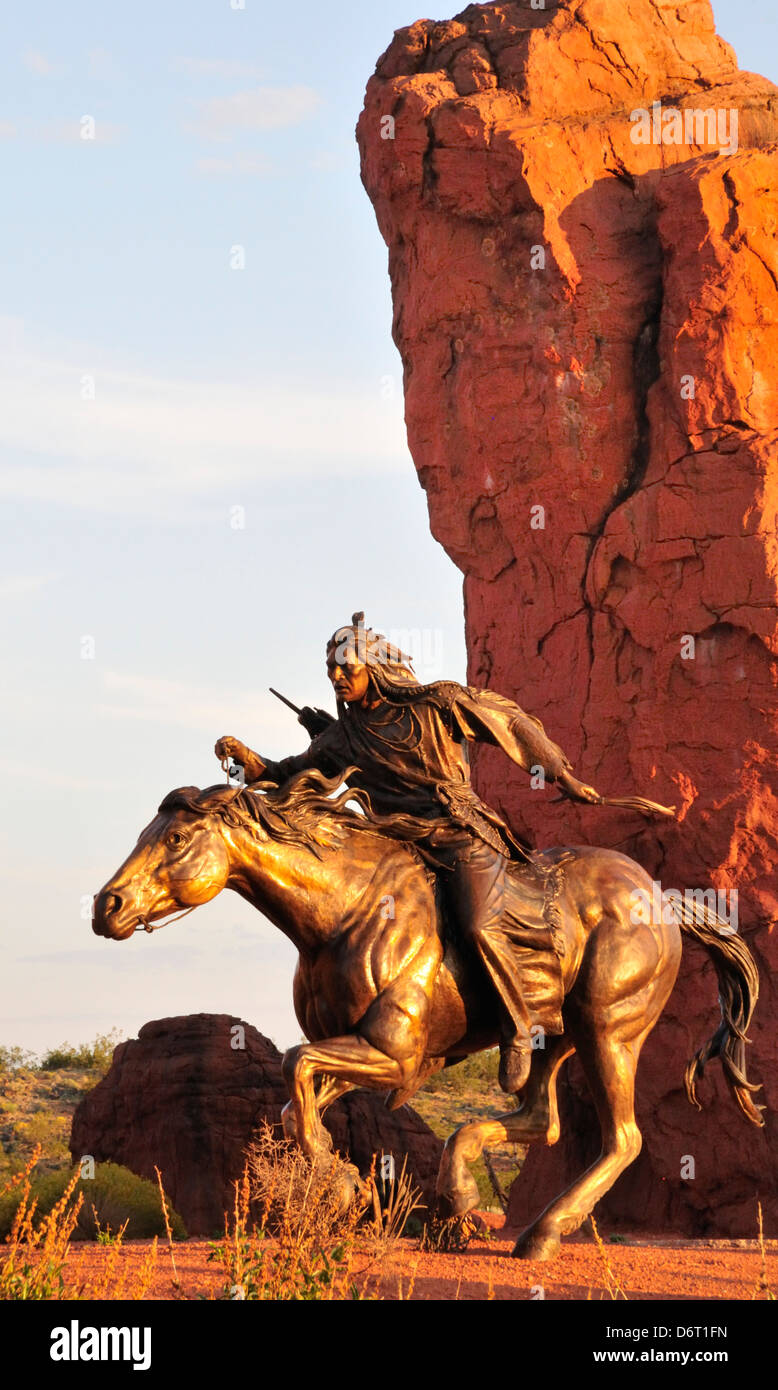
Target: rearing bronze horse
(385, 997)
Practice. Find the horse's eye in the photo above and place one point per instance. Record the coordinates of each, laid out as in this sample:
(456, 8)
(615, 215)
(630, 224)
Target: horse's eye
(175, 839)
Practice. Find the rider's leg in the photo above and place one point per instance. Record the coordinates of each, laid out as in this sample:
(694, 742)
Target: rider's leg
(474, 892)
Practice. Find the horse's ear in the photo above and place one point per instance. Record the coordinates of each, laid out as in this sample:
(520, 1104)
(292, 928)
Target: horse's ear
(218, 795)
(194, 799)
(178, 798)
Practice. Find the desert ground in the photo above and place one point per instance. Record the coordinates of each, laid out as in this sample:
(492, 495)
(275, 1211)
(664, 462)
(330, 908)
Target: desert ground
(36, 1106)
(636, 1270)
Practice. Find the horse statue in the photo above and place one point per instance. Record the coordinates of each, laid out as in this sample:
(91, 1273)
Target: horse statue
(386, 997)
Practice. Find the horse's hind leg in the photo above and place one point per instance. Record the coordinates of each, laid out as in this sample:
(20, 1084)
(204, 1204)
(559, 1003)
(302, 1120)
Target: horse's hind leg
(537, 1120)
(609, 1061)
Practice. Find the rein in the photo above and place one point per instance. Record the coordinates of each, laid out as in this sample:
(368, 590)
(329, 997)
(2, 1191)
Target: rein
(152, 926)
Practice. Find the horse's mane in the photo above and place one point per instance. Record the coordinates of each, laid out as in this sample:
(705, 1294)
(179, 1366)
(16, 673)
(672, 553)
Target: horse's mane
(304, 811)
(307, 810)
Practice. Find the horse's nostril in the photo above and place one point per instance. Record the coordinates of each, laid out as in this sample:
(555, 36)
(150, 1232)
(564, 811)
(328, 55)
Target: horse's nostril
(111, 903)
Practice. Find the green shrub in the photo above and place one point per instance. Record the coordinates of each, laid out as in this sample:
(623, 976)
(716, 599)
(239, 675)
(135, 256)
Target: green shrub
(16, 1058)
(474, 1073)
(52, 1132)
(116, 1194)
(87, 1056)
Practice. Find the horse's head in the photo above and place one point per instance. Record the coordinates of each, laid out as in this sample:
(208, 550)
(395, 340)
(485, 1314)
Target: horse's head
(180, 861)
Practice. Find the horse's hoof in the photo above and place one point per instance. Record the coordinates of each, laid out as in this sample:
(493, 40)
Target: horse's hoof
(457, 1201)
(362, 1188)
(535, 1245)
(347, 1187)
(342, 1192)
(289, 1123)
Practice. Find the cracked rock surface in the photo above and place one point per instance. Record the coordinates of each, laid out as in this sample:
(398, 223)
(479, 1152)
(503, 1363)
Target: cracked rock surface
(589, 333)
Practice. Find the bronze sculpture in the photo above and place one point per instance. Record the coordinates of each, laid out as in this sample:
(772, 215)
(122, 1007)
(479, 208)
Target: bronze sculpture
(391, 982)
(404, 744)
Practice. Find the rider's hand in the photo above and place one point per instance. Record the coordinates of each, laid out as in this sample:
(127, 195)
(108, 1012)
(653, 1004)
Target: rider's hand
(252, 763)
(229, 747)
(579, 791)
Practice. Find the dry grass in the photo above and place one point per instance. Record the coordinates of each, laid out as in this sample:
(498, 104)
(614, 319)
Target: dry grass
(34, 1260)
(115, 1278)
(762, 1289)
(168, 1231)
(615, 1291)
(444, 1234)
(291, 1234)
(32, 1266)
(390, 1218)
(408, 1294)
(295, 1198)
(295, 1263)
(296, 1233)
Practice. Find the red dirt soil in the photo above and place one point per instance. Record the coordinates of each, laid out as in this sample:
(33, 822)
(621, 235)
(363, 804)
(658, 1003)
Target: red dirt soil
(673, 1270)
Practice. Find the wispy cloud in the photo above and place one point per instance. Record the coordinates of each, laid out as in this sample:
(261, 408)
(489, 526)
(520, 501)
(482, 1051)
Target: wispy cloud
(16, 584)
(252, 164)
(37, 62)
(145, 440)
(79, 130)
(7, 130)
(261, 108)
(28, 772)
(100, 65)
(328, 162)
(213, 709)
(216, 67)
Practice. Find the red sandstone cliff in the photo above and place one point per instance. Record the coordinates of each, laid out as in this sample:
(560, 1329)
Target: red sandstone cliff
(589, 325)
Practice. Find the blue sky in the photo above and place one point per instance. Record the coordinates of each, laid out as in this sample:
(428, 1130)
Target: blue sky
(151, 397)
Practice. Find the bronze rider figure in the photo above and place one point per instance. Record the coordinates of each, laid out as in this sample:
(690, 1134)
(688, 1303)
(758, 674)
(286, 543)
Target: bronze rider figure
(404, 743)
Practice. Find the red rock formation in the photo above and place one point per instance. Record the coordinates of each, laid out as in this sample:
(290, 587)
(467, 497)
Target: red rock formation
(182, 1097)
(589, 325)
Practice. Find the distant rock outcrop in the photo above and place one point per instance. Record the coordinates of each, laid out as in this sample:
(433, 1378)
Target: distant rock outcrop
(580, 202)
(181, 1096)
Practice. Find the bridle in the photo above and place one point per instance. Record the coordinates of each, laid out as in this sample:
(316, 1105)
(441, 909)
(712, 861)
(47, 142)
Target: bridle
(143, 925)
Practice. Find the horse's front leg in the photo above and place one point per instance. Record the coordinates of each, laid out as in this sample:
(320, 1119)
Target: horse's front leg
(352, 1060)
(384, 1053)
(355, 1062)
(330, 1090)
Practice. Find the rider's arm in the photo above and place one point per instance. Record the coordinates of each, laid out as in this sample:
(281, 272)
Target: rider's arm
(485, 717)
(324, 752)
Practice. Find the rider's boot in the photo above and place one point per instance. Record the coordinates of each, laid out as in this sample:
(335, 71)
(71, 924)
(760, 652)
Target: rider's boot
(515, 1061)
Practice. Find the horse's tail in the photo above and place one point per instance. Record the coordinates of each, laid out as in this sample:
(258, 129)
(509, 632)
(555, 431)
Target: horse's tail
(738, 992)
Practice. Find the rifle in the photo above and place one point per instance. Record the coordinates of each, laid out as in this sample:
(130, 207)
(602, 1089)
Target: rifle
(314, 721)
